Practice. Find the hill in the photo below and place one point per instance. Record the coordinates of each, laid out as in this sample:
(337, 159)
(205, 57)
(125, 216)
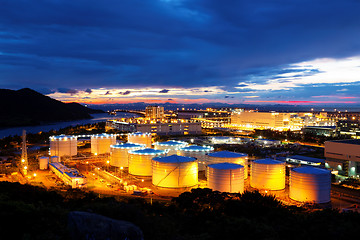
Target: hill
(28, 107)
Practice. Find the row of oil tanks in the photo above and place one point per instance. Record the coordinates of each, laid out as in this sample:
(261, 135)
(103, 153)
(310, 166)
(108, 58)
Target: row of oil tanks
(64, 145)
(225, 170)
(306, 184)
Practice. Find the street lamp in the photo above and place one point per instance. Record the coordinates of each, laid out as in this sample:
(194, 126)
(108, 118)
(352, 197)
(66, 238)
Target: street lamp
(121, 168)
(108, 164)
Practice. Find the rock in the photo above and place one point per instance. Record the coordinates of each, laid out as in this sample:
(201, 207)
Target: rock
(90, 226)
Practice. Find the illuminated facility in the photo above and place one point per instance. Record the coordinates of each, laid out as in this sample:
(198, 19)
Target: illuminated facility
(140, 161)
(174, 171)
(100, 143)
(140, 138)
(229, 157)
(251, 119)
(226, 177)
(198, 152)
(154, 112)
(310, 184)
(119, 156)
(171, 146)
(268, 174)
(69, 176)
(343, 156)
(63, 145)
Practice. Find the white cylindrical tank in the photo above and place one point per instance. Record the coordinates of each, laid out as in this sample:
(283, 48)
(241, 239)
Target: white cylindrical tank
(226, 177)
(230, 157)
(100, 143)
(140, 138)
(119, 156)
(140, 161)
(43, 163)
(268, 174)
(54, 159)
(171, 146)
(174, 171)
(310, 184)
(63, 145)
(198, 152)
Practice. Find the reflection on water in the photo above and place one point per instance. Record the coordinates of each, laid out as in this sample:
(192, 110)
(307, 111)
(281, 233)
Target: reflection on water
(100, 117)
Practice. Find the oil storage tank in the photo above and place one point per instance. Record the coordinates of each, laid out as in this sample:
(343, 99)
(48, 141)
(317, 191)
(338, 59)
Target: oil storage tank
(43, 163)
(310, 184)
(172, 146)
(63, 145)
(268, 174)
(140, 161)
(174, 171)
(230, 157)
(226, 177)
(119, 153)
(140, 138)
(198, 152)
(100, 143)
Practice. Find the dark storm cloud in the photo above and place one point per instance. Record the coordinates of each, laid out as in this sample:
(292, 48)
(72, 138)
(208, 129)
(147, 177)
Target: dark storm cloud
(168, 43)
(88, 90)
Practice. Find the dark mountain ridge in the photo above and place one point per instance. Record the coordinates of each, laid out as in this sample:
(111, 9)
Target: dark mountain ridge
(28, 107)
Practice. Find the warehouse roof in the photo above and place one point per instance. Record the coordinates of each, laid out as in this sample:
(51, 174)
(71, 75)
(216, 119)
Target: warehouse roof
(307, 159)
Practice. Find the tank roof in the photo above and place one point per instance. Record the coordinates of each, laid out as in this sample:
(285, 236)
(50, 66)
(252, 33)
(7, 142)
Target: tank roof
(62, 136)
(171, 143)
(227, 154)
(311, 170)
(139, 133)
(103, 135)
(197, 148)
(127, 145)
(268, 161)
(147, 151)
(174, 159)
(225, 166)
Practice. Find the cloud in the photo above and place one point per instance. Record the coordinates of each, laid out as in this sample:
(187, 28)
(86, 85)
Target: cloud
(125, 93)
(164, 91)
(255, 46)
(67, 90)
(108, 93)
(88, 90)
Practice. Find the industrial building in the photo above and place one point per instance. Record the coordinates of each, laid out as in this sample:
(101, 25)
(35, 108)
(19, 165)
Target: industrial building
(229, 157)
(70, 176)
(260, 120)
(178, 127)
(343, 156)
(198, 152)
(154, 112)
(304, 160)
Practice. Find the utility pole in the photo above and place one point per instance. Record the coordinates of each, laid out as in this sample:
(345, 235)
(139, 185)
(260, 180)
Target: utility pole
(24, 156)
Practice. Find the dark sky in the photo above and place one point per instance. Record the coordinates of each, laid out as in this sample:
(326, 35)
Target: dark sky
(190, 51)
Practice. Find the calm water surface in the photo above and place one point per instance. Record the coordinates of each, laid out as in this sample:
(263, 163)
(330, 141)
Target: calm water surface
(99, 117)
